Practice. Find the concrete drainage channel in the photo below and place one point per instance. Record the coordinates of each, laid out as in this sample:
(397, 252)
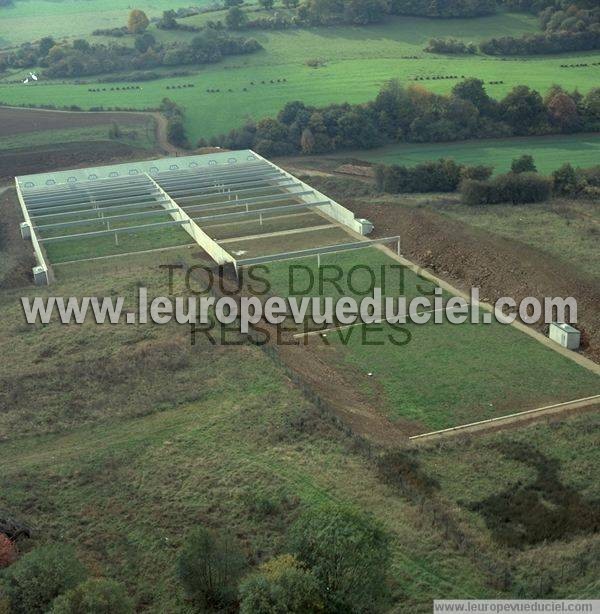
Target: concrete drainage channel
(500, 421)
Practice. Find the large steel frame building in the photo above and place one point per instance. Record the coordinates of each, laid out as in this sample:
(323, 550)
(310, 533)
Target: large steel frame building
(237, 206)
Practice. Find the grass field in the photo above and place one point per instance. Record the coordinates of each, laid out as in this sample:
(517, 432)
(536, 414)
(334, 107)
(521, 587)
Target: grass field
(137, 436)
(357, 61)
(437, 375)
(131, 241)
(549, 152)
(535, 488)
(29, 20)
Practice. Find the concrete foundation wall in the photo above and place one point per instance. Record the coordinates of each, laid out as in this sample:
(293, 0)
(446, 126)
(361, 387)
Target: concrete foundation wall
(210, 246)
(333, 209)
(43, 270)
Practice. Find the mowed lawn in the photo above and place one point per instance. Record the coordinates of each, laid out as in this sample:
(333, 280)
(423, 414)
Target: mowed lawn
(66, 250)
(357, 61)
(549, 152)
(437, 375)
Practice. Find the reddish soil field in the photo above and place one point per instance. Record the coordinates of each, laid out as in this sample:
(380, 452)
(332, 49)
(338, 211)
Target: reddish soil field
(63, 156)
(19, 121)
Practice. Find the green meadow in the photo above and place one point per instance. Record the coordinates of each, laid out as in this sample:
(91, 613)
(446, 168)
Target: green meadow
(139, 436)
(356, 62)
(28, 20)
(549, 152)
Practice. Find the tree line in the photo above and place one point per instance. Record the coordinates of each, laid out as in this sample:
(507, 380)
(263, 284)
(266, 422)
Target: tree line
(355, 12)
(564, 29)
(522, 185)
(444, 175)
(80, 58)
(414, 114)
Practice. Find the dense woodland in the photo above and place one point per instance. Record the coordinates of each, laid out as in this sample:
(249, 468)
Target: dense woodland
(569, 29)
(413, 114)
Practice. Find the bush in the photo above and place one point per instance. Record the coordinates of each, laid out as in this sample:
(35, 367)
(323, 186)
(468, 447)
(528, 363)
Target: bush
(515, 188)
(282, 585)
(209, 566)
(349, 555)
(443, 175)
(475, 192)
(565, 180)
(524, 164)
(480, 172)
(95, 596)
(450, 45)
(39, 577)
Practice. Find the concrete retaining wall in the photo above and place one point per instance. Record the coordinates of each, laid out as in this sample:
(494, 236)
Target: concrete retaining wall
(210, 246)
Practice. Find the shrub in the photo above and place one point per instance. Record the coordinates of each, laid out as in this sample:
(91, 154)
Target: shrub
(522, 188)
(209, 566)
(442, 175)
(282, 585)
(564, 180)
(524, 164)
(94, 596)
(39, 577)
(474, 192)
(8, 551)
(480, 172)
(347, 552)
(450, 45)
(515, 188)
(591, 175)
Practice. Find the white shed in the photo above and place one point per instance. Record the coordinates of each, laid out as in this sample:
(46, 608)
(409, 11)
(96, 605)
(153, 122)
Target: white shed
(565, 335)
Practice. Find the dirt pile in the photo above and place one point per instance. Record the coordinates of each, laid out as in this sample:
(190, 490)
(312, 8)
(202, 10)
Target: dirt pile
(467, 257)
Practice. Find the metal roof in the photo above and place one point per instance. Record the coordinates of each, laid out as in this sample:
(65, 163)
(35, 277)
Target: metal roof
(567, 328)
(187, 191)
(130, 169)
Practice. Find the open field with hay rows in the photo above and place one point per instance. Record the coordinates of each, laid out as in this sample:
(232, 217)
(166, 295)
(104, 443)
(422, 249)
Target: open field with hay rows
(355, 63)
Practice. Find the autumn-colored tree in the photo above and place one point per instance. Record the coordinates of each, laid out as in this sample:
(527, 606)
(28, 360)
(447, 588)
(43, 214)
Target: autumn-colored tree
(563, 111)
(137, 22)
(307, 141)
(8, 551)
